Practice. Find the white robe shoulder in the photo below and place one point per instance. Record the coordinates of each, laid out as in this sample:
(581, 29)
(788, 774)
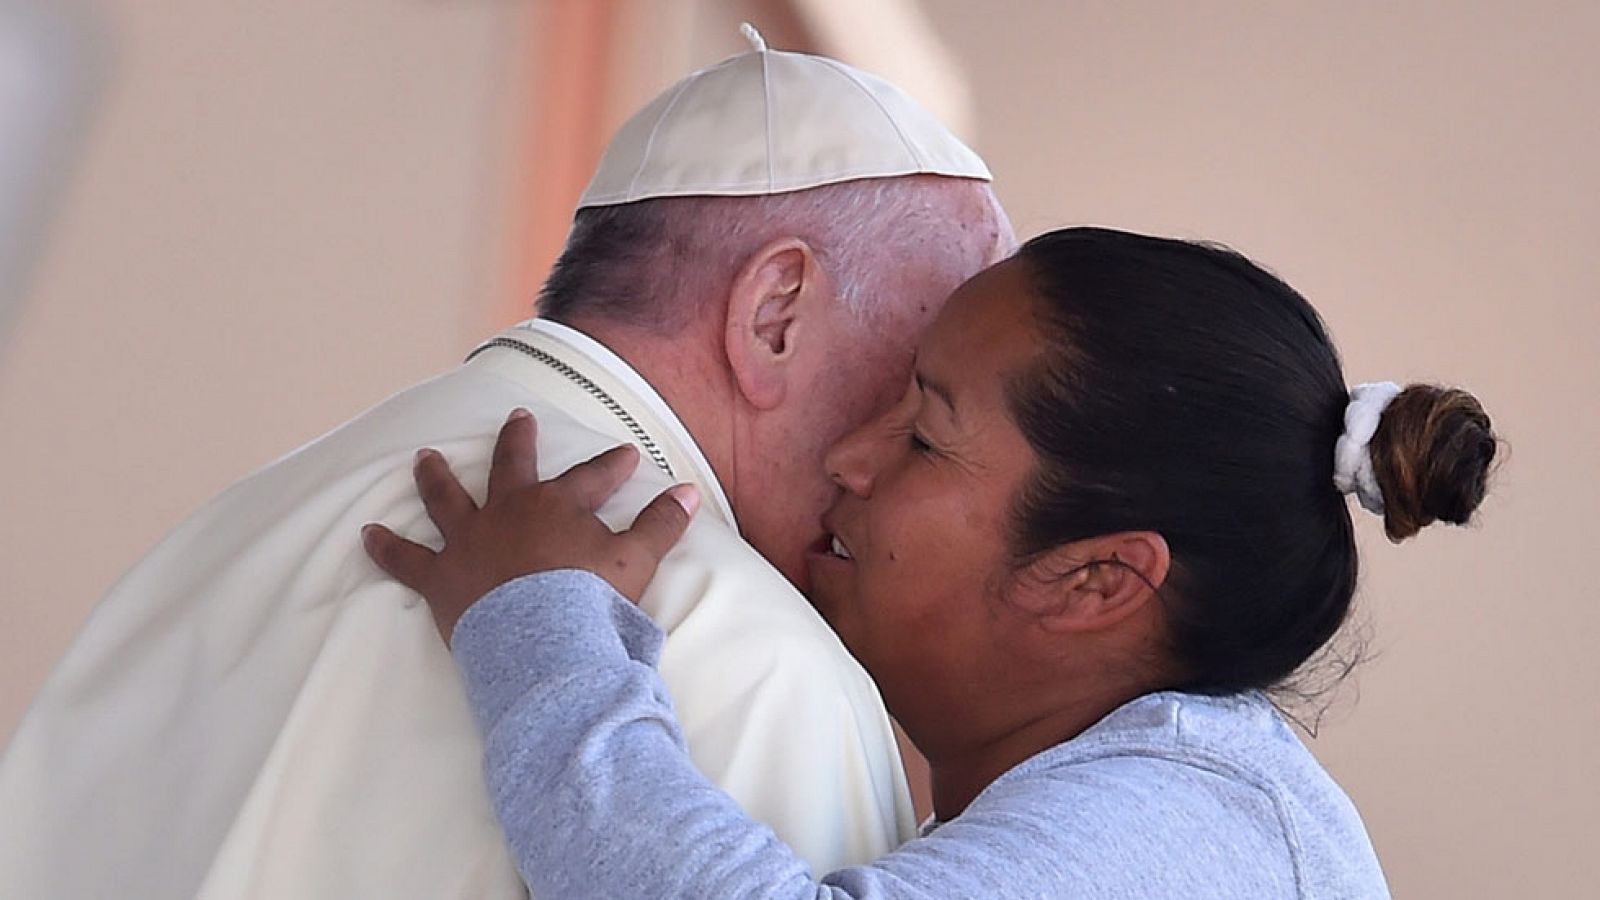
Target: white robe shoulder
(256, 711)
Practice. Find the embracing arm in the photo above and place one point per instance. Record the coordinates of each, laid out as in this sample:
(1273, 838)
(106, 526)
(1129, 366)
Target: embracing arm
(587, 767)
(761, 689)
(586, 764)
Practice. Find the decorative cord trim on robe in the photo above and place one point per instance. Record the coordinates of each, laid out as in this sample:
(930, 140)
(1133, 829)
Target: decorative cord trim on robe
(651, 448)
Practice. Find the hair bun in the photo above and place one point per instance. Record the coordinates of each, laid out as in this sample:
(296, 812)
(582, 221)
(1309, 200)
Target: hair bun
(1432, 454)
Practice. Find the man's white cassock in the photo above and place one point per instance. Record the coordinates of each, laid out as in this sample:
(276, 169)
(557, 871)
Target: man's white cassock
(256, 711)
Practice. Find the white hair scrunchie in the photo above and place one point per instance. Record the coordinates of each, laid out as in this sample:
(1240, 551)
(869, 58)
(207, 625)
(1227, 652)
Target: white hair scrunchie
(1352, 455)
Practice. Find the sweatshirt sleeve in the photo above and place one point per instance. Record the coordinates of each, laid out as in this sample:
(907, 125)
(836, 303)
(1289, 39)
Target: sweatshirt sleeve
(586, 765)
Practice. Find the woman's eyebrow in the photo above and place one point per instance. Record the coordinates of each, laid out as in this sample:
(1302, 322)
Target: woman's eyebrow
(937, 389)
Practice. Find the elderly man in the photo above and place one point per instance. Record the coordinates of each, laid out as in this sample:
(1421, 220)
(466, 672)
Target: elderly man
(255, 712)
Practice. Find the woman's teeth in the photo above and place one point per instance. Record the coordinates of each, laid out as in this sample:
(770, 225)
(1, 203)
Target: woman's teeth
(839, 550)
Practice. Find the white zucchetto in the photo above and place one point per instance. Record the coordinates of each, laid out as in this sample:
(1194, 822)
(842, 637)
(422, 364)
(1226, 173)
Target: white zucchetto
(770, 122)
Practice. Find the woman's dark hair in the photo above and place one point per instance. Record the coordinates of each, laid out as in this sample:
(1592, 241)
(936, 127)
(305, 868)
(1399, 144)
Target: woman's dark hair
(1187, 391)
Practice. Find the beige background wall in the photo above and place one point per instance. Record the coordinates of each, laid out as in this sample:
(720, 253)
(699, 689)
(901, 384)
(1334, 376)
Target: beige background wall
(284, 213)
(281, 214)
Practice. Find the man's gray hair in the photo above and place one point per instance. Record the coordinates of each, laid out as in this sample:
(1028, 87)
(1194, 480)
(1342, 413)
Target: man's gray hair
(653, 263)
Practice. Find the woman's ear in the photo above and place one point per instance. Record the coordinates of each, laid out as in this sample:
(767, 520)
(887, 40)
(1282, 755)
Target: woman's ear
(1095, 584)
(768, 303)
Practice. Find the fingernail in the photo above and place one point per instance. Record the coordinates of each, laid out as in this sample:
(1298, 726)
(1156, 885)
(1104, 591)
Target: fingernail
(518, 413)
(688, 497)
(424, 453)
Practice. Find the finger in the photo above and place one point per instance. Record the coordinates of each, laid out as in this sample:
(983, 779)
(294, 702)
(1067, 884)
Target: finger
(516, 456)
(594, 482)
(407, 562)
(446, 501)
(661, 524)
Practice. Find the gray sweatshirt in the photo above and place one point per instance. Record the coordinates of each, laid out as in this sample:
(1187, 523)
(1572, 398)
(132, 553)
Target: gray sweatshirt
(1171, 795)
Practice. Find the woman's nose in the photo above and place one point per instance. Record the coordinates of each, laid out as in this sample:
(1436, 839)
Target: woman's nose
(853, 461)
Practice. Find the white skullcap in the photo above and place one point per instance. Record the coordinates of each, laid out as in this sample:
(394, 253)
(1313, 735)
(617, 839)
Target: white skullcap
(1352, 453)
(770, 122)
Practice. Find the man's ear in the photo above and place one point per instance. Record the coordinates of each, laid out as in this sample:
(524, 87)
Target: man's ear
(1094, 584)
(768, 303)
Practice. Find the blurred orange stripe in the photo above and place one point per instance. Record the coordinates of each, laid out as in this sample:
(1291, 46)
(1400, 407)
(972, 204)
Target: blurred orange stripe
(566, 133)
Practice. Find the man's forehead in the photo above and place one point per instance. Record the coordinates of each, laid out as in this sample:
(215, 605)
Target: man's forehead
(1005, 239)
(989, 228)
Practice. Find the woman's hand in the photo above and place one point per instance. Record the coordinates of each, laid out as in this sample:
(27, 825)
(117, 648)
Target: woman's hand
(526, 526)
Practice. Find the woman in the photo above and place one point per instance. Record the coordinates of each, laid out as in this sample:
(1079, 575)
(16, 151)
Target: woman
(1101, 523)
